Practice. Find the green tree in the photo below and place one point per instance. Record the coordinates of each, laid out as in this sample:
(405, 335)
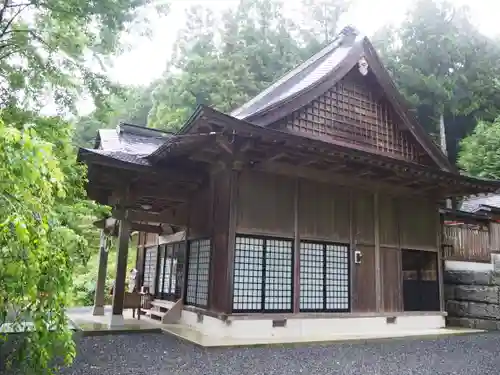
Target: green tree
(58, 48)
(320, 21)
(40, 238)
(444, 66)
(225, 60)
(479, 154)
(48, 49)
(131, 104)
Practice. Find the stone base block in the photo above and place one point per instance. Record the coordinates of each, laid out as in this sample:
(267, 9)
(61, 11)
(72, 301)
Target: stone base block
(489, 325)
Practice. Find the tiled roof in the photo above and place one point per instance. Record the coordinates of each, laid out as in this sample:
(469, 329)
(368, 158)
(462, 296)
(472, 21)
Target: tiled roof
(128, 143)
(303, 76)
(131, 139)
(118, 155)
(475, 203)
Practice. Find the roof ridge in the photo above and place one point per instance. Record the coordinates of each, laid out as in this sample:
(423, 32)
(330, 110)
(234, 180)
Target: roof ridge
(334, 44)
(139, 129)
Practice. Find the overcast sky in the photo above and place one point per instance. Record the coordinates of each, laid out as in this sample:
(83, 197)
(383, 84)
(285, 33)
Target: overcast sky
(147, 58)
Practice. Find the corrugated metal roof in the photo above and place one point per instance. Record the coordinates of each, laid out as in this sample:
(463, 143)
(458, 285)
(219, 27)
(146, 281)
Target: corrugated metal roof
(302, 77)
(475, 203)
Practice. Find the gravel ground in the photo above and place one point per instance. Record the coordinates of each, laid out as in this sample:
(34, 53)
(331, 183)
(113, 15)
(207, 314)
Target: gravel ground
(159, 354)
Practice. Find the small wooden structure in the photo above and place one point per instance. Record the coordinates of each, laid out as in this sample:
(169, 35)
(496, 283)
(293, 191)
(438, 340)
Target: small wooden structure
(472, 233)
(319, 198)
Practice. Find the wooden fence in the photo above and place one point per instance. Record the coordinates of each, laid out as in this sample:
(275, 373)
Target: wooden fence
(468, 242)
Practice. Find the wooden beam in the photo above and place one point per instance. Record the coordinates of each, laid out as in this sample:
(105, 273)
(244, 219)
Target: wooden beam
(246, 146)
(440, 260)
(231, 237)
(169, 173)
(330, 177)
(148, 228)
(353, 248)
(296, 249)
(378, 273)
(136, 192)
(185, 266)
(176, 216)
(121, 271)
(100, 291)
(223, 144)
(276, 157)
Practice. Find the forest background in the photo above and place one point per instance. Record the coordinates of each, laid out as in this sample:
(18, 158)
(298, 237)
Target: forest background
(447, 69)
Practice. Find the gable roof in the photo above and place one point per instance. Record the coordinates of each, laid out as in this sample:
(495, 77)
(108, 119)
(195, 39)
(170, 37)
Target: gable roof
(298, 79)
(318, 74)
(303, 76)
(127, 143)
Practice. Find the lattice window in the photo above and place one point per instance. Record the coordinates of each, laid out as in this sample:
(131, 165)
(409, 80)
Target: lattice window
(324, 277)
(312, 281)
(337, 277)
(162, 280)
(150, 258)
(278, 275)
(179, 266)
(203, 273)
(168, 271)
(263, 274)
(192, 273)
(198, 272)
(173, 279)
(248, 278)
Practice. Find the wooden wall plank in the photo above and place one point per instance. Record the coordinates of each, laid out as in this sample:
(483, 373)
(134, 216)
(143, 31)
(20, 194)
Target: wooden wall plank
(388, 221)
(391, 279)
(200, 214)
(265, 204)
(364, 212)
(417, 220)
(363, 286)
(324, 212)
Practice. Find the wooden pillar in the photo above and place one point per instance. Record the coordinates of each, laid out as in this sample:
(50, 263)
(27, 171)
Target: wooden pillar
(231, 235)
(296, 250)
(378, 273)
(186, 255)
(352, 243)
(101, 276)
(440, 261)
(121, 272)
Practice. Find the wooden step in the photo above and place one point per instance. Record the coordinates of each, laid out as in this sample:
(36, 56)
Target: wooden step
(152, 312)
(161, 304)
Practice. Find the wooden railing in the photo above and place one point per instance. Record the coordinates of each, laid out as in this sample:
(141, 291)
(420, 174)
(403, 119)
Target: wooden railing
(467, 242)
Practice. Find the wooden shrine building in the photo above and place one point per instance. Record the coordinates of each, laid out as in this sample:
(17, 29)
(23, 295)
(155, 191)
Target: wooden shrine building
(311, 209)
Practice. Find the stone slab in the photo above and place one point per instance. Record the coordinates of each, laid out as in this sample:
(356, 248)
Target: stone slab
(476, 293)
(473, 310)
(484, 324)
(468, 278)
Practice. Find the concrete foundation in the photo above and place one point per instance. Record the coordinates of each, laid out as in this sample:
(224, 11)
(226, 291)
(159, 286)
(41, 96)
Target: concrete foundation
(320, 328)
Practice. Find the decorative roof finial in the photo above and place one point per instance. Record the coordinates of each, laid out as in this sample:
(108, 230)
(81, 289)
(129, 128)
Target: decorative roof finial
(363, 66)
